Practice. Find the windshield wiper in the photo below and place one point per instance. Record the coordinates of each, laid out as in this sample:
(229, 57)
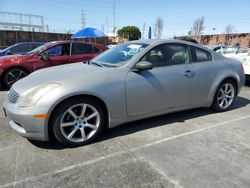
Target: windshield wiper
(97, 64)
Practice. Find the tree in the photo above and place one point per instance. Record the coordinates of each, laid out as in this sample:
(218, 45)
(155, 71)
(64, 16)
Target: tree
(129, 32)
(159, 24)
(228, 30)
(198, 26)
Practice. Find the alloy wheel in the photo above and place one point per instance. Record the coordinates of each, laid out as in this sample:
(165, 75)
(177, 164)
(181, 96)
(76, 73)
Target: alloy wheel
(225, 95)
(14, 76)
(80, 122)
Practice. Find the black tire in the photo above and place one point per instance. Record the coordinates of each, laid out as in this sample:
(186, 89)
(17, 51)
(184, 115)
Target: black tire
(12, 75)
(216, 106)
(59, 114)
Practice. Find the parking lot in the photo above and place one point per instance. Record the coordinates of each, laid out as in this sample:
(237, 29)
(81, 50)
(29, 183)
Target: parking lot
(197, 148)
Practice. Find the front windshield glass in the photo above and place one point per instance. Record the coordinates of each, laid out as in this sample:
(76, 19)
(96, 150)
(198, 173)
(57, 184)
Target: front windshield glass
(119, 55)
(36, 49)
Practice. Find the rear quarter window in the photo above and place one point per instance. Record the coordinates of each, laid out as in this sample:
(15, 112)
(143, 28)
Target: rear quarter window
(199, 55)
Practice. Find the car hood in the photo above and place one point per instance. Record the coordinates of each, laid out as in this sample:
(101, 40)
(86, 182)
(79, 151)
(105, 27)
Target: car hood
(70, 74)
(4, 60)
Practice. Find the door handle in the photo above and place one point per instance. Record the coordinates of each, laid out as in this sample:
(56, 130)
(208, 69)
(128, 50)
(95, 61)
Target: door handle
(188, 73)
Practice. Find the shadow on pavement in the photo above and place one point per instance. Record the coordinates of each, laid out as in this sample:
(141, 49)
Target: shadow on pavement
(2, 89)
(149, 123)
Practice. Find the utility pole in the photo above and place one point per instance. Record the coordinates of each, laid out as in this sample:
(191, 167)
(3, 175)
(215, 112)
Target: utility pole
(102, 28)
(114, 27)
(143, 30)
(107, 25)
(83, 19)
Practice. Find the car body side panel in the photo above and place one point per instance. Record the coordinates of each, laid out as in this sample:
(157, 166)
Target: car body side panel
(158, 89)
(205, 75)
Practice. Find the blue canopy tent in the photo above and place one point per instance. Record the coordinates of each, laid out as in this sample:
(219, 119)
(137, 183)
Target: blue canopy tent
(88, 32)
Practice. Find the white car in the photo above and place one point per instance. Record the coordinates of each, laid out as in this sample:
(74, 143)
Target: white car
(215, 48)
(240, 53)
(246, 64)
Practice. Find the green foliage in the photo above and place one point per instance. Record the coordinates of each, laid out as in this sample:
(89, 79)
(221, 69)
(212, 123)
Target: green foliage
(129, 32)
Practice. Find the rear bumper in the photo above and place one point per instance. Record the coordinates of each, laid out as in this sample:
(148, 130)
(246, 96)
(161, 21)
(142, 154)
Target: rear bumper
(22, 121)
(246, 69)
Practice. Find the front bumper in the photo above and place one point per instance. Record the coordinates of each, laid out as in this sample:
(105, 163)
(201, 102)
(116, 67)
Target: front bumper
(22, 121)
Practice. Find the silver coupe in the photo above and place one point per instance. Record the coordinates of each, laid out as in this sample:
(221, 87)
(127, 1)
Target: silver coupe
(131, 81)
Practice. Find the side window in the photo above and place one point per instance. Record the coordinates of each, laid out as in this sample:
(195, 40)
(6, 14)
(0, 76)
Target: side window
(168, 54)
(35, 45)
(96, 50)
(78, 49)
(21, 48)
(59, 50)
(200, 55)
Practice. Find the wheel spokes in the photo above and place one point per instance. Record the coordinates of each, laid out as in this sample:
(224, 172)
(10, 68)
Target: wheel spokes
(91, 116)
(72, 114)
(84, 107)
(67, 124)
(83, 134)
(75, 126)
(94, 127)
(72, 133)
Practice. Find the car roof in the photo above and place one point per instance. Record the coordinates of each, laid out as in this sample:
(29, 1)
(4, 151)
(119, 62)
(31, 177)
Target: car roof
(30, 43)
(155, 42)
(69, 41)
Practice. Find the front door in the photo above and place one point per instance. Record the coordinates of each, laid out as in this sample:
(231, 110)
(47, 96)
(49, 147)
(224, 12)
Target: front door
(58, 55)
(168, 85)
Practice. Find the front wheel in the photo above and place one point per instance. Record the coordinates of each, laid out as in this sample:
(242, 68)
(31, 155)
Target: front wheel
(224, 96)
(78, 121)
(12, 75)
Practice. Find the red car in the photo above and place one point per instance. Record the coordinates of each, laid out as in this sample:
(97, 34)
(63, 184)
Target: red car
(15, 67)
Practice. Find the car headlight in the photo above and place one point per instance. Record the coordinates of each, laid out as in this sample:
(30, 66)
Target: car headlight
(36, 93)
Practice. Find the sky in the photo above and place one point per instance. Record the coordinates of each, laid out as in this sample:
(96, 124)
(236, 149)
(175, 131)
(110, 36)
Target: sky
(178, 16)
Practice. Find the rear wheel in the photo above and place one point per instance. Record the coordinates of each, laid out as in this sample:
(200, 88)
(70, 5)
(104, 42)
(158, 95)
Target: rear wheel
(12, 75)
(224, 96)
(78, 121)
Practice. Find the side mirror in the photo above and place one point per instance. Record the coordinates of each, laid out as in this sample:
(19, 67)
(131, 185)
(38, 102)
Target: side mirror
(143, 65)
(8, 52)
(45, 57)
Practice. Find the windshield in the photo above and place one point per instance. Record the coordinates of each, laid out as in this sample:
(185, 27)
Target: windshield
(36, 49)
(119, 55)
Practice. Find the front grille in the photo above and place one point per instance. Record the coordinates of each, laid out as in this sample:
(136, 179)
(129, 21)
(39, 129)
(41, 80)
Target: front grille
(13, 96)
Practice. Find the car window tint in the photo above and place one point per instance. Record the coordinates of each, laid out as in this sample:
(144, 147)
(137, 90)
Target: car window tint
(78, 49)
(96, 50)
(201, 55)
(35, 45)
(168, 54)
(21, 48)
(59, 50)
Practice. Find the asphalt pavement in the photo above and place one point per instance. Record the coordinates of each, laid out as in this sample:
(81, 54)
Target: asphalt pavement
(195, 148)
